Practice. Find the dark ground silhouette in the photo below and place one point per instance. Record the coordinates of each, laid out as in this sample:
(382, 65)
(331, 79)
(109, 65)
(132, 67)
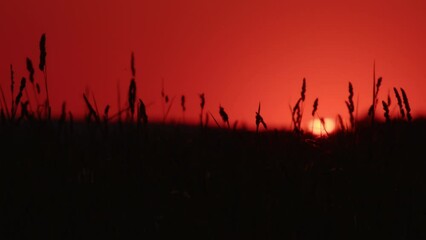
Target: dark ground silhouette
(173, 182)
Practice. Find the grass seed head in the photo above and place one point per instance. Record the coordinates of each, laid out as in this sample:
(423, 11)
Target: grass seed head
(406, 105)
(378, 84)
(224, 115)
(303, 92)
(351, 107)
(43, 53)
(203, 101)
(30, 69)
(398, 98)
(182, 102)
(132, 64)
(23, 84)
(386, 111)
(132, 96)
(315, 107)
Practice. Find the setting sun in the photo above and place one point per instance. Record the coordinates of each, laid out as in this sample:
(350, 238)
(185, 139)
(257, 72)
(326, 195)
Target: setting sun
(318, 128)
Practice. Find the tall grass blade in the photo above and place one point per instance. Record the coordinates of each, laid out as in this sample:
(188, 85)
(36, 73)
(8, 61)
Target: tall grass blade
(4, 103)
(406, 105)
(399, 101)
(386, 111)
(12, 86)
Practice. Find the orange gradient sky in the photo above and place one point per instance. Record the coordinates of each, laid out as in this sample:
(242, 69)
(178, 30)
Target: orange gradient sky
(237, 52)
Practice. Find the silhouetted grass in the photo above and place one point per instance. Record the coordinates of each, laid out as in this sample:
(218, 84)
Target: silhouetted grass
(224, 116)
(19, 96)
(132, 88)
(43, 67)
(297, 110)
(202, 103)
(315, 107)
(398, 98)
(142, 116)
(406, 105)
(12, 90)
(351, 107)
(67, 179)
(259, 120)
(386, 110)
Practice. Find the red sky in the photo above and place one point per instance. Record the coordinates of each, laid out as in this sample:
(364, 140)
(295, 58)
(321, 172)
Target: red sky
(237, 52)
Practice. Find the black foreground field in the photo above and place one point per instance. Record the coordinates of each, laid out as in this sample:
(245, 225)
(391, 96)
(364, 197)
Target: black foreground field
(180, 182)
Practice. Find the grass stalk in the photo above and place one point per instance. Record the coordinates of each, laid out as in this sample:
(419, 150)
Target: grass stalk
(4, 103)
(214, 119)
(399, 101)
(259, 120)
(202, 103)
(314, 110)
(168, 109)
(406, 105)
(12, 87)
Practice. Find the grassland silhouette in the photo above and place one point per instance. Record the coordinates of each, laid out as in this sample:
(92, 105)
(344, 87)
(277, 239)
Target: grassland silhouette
(69, 179)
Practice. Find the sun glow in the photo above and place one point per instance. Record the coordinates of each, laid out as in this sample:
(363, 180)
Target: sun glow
(321, 127)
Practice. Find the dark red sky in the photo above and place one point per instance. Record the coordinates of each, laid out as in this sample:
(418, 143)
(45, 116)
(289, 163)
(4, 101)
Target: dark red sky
(237, 52)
